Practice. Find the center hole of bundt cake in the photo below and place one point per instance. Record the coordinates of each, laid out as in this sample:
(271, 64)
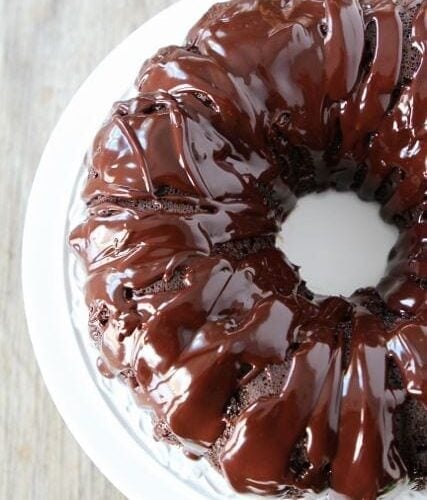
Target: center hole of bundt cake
(340, 242)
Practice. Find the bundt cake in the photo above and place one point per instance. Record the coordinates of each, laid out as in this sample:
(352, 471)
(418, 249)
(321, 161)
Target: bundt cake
(193, 305)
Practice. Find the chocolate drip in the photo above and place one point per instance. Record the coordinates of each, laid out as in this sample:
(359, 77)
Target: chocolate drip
(188, 184)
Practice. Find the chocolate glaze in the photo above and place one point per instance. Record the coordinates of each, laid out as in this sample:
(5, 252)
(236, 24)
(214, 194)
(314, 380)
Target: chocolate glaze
(268, 100)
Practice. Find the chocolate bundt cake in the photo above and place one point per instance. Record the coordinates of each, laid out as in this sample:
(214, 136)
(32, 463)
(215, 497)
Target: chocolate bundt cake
(193, 305)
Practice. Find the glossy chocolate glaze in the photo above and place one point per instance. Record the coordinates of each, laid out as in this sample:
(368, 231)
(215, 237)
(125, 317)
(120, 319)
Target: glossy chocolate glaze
(189, 183)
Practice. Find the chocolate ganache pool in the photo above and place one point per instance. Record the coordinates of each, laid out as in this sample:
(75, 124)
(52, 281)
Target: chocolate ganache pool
(192, 304)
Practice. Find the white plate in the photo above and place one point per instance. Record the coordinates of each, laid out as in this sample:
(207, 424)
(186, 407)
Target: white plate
(98, 412)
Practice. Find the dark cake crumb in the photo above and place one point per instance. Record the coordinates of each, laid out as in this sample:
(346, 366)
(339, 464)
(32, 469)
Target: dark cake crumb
(411, 426)
(238, 249)
(299, 463)
(159, 204)
(176, 282)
